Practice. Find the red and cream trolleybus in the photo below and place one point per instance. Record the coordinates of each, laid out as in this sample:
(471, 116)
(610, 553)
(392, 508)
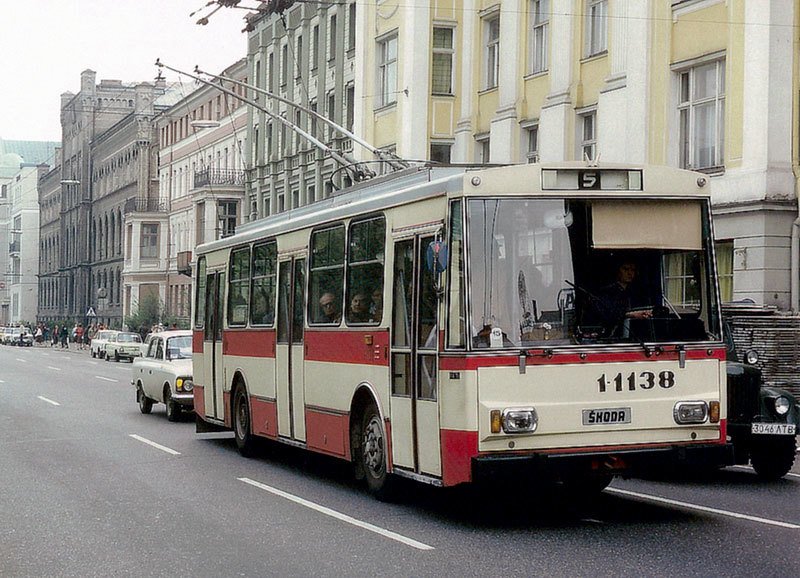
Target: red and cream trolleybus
(454, 324)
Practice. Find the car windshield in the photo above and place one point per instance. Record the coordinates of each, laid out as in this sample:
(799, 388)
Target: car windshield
(129, 338)
(582, 271)
(180, 347)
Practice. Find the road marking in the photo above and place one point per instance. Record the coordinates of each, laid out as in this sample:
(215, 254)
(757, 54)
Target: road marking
(22, 360)
(155, 445)
(48, 400)
(53, 368)
(92, 362)
(339, 516)
(750, 469)
(65, 357)
(106, 378)
(688, 506)
(47, 354)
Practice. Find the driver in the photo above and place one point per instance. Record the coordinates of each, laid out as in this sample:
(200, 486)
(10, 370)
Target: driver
(613, 304)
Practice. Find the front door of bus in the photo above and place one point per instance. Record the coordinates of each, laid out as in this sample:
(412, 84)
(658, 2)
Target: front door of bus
(212, 346)
(289, 350)
(415, 342)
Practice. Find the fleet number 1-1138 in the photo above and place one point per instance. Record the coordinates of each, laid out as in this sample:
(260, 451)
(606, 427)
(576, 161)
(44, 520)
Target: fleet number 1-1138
(645, 380)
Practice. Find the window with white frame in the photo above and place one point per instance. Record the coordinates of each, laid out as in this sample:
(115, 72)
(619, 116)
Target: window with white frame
(387, 71)
(701, 108)
(491, 36)
(483, 148)
(588, 135)
(284, 64)
(442, 81)
(596, 27)
(532, 150)
(332, 38)
(540, 23)
(299, 56)
(148, 246)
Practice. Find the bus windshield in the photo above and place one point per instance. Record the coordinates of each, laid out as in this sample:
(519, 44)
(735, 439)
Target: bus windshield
(581, 271)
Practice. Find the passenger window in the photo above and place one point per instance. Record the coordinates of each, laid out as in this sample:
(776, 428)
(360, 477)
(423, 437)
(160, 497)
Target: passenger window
(151, 349)
(159, 349)
(239, 290)
(326, 276)
(262, 307)
(200, 298)
(365, 272)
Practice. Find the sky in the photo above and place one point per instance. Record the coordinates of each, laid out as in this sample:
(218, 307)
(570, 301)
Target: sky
(46, 44)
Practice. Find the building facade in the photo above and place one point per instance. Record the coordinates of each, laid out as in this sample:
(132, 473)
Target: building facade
(51, 308)
(202, 146)
(701, 84)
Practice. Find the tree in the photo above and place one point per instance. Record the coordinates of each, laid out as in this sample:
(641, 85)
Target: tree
(148, 313)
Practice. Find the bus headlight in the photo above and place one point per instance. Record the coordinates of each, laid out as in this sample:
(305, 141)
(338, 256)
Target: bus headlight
(519, 420)
(782, 405)
(690, 412)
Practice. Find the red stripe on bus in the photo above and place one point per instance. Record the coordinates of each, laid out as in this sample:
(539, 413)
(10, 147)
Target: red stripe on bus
(458, 449)
(249, 342)
(327, 432)
(199, 400)
(197, 341)
(226, 404)
(463, 363)
(265, 417)
(361, 347)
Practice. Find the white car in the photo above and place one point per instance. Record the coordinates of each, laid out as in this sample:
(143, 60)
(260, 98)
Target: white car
(123, 345)
(164, 374)
(98, 345)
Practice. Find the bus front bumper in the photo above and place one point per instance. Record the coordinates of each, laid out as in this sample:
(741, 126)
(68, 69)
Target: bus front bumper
(558, 466)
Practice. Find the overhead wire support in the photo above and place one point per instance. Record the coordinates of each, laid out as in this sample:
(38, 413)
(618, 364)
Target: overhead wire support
(393, 160)
(359, 173)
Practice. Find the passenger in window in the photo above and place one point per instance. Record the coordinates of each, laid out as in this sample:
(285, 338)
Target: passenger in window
(376, 307)
(359, 309)
(330, 312)
(614, 303)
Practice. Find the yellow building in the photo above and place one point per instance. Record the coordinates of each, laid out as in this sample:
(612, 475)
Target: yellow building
(701, 84)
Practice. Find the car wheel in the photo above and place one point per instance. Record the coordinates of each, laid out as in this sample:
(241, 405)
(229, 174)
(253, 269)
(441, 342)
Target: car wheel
(116, 356)
(93, 354)
(173, 411)
(772, 458)
(245, 441)
(145, 403)
(373, 454)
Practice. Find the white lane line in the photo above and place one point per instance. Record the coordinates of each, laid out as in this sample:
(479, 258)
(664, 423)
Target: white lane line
(155, 445)
(92, 362)
(65, 357)
(22, 360)
(106, 378)
(48, 400)
(750, 469)
(47, 354)
(699, 508)
(53, 368)
(1, 381)
(339, 516)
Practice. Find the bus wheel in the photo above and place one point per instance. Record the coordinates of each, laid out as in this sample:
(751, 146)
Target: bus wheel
(241, 423)
(773, 458)
(145, 404)
(373, 454)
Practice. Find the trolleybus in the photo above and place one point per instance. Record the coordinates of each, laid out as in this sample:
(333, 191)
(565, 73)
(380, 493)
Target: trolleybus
(453, 324)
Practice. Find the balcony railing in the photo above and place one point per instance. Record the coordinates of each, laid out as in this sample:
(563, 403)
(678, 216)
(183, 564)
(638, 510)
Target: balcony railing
(150, 205)
(218, 177)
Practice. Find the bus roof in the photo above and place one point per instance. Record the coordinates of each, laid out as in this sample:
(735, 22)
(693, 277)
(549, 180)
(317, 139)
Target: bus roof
(418, 183)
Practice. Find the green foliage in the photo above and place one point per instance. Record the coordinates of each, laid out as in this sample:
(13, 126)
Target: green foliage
(148, 313)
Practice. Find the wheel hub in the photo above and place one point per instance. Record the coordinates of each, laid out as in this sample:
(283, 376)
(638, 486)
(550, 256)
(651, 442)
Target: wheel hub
(373, 446)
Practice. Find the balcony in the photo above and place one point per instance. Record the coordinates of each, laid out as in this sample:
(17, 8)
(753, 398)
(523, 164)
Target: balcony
(208, 177)
(149, 205)
(185, 263)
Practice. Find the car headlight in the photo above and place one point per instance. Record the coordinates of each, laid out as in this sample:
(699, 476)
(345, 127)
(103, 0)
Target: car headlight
(686, 412)
(184, 384)
(520, 420)
(782, 405)
(751, 357)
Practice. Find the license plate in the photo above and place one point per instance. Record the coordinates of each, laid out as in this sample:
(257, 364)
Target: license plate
(606, 416)
(788, 429)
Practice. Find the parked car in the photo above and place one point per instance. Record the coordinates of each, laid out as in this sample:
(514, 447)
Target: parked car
(25, 337)
(123, 345)
(98, 344)
(164, 374)
(7, 335)
(762, 421)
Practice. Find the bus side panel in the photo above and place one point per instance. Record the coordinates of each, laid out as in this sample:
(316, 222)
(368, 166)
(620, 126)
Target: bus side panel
(264, 417)
(198, 374)
(328, 432)
(458, 414)
(252, 353)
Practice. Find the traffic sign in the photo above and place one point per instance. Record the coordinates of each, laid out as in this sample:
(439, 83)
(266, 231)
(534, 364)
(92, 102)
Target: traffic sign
(90, 312)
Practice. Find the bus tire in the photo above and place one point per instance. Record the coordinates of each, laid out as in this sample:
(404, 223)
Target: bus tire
(145, 404)
(773, 458)
(373, 456)
(245, 441)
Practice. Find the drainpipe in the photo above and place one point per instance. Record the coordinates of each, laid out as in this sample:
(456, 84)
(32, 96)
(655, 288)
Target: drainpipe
(795, 267)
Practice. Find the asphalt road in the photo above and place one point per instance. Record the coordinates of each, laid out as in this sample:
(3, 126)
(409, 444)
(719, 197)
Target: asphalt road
(91, 487)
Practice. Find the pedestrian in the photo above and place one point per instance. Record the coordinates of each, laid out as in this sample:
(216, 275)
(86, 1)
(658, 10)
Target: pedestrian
(54, 336)
(79, 335)
(38, 335)
(64, 337)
